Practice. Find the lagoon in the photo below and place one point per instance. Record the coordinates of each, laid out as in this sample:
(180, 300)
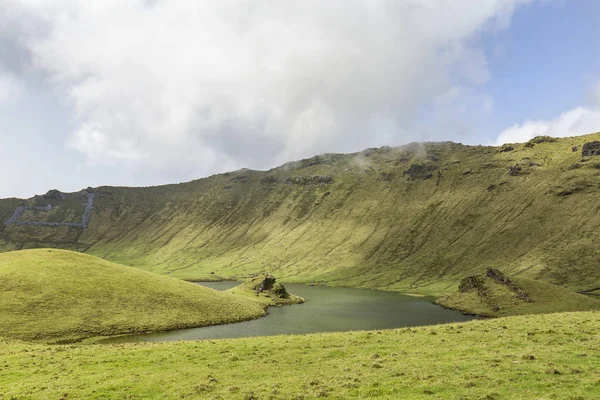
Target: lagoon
(327, 309)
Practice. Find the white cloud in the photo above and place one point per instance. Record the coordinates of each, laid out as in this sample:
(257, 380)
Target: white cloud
(208, 85)
(578, 121)
(575, 122)
(9, 87)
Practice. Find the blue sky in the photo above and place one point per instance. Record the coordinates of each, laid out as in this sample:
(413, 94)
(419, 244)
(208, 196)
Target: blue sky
(548, 62)
(127, 92)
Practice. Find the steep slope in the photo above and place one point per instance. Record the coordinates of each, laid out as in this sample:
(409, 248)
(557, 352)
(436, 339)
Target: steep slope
(418, 217)
(61, 295)
(495, 295)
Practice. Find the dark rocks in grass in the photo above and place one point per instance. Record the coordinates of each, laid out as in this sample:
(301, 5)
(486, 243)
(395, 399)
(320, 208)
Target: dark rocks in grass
(515, 170)
(591, 149)
(469, 283)
(499, 277)
(268, 283)
(505, 149)
(268, 180)
(574, 148)
(420, 171)
(477, 283)
(54, 195)
(539, 140)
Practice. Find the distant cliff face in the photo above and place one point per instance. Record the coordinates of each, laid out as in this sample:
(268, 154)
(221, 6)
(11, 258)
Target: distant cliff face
(421, 216)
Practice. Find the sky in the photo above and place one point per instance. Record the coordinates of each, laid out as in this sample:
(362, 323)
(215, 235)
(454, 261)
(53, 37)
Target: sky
(147, 92)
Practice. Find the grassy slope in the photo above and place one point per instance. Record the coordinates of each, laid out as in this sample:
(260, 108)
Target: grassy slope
(56, 294)
(534, 357)
(544, 298)
(373, 226)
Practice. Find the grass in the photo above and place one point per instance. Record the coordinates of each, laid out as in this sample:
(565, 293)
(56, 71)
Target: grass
(416, 218)
(494, 299)
(553, 356)
(56, 295)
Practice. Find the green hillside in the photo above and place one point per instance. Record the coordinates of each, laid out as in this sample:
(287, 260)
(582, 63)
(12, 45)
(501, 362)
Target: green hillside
(57, 295)
(554, 356)
(494, 295)
(413, 218)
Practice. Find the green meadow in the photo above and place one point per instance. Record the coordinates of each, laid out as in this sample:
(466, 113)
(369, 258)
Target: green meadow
(553, 356)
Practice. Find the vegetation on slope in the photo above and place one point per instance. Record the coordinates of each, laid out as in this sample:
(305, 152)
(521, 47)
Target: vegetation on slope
(493, 295)
(414, 218)
(60, 295)
(533, 357)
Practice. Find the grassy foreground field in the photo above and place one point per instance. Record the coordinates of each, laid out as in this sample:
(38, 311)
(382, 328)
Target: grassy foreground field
(554, 356)
(61, 295)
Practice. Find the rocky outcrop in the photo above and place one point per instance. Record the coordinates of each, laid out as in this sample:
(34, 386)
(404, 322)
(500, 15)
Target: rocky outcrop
(591, 149)
(267, 290)
(539, 140)
(502, 279)
(515, 170)
(420, 171)
(478, 283)
(54, 195)
(268, 283)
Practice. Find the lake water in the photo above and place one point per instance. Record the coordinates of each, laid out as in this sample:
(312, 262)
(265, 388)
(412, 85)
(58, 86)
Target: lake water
(327, 309)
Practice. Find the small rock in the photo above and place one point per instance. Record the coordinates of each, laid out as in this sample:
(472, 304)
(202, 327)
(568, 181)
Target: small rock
(515, 170)
(591, 149)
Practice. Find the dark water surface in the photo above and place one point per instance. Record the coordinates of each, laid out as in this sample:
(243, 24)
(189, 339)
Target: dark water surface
(326, 309)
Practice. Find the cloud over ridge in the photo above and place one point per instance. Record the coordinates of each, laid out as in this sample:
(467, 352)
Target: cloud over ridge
(206, 86)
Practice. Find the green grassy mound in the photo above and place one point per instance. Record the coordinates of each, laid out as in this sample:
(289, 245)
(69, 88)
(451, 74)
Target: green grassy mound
(267, 290)
(493, 294)
(62, 295)
(554, 356)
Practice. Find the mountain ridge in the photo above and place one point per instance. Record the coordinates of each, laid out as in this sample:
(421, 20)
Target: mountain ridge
(413, 218)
